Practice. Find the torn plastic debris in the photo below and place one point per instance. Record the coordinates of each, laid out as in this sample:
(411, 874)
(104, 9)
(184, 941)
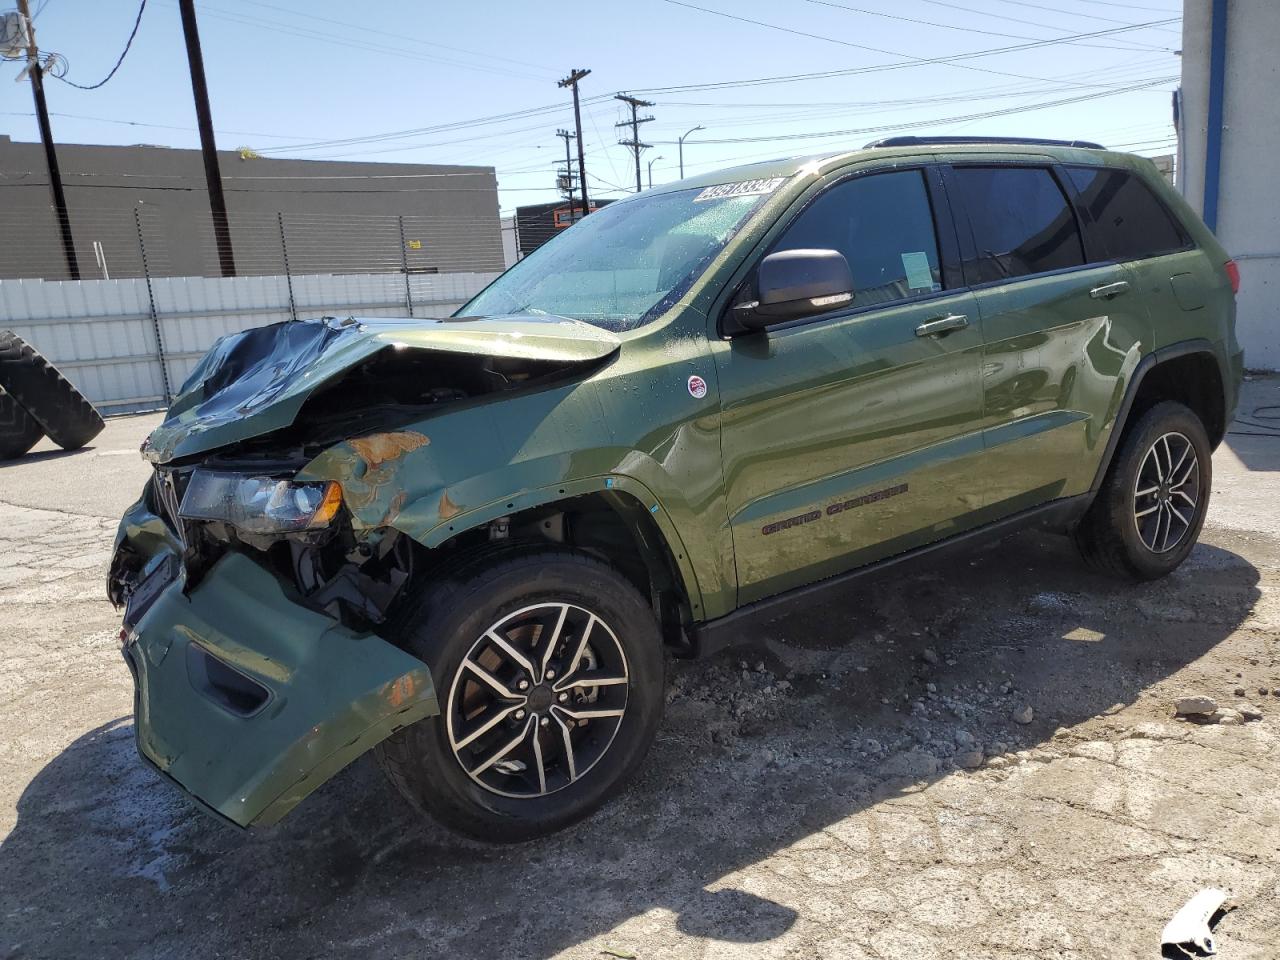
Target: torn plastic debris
(1189, 928)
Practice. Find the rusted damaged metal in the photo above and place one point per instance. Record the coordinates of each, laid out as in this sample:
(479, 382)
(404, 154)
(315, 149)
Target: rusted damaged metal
(378, 448)
(447, 509)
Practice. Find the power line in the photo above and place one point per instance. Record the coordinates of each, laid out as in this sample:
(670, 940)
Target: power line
(910, 61)
(989, 33)
(123, 53)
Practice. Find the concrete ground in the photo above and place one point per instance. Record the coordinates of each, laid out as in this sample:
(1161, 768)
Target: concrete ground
(855, 787)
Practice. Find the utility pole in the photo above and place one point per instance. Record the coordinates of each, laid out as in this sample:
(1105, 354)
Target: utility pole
(634, 123)
(46, 135)
(681, 142)
(204, 120)
(572, 81)
(568, 167)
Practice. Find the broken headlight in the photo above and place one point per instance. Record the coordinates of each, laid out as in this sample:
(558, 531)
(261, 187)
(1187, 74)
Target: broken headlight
(260, 505)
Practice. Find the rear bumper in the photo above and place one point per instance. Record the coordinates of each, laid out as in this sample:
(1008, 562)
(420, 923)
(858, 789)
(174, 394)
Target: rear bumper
(249, 701)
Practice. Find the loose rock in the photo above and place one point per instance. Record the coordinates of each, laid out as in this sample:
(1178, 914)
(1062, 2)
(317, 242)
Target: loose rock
(1024, 714)
(929, 656)
(1195, 707)
(1249, 712)
(913, 763)
(969, 759)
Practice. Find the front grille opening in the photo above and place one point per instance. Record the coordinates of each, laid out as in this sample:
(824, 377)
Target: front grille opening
(223, 684)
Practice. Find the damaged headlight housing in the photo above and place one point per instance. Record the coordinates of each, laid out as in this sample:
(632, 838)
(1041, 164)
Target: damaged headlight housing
(260, 505)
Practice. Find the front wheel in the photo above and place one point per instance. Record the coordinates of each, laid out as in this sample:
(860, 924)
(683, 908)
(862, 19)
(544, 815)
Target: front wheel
(549, 672)
(1151, 506)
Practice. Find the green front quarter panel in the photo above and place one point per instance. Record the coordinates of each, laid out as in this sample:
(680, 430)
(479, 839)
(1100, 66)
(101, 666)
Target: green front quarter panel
(334, 693)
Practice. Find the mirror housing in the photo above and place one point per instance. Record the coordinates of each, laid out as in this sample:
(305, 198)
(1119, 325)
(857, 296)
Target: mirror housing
(792, 284)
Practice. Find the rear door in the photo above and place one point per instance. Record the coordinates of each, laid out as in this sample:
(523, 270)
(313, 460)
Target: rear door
(854, 434)
(1061, 324)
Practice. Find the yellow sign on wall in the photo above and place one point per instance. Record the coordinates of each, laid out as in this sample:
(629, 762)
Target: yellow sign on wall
(415, 244)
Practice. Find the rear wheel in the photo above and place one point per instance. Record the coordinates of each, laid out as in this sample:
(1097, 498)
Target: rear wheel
(1148, 514)
(548, 669)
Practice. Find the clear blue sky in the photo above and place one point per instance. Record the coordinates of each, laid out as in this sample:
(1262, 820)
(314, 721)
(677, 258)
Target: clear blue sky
(286, 73)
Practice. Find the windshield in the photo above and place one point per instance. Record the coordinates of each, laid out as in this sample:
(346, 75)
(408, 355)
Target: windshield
(624, 264)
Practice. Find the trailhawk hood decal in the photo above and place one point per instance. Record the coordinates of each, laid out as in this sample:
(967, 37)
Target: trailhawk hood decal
(253, 382)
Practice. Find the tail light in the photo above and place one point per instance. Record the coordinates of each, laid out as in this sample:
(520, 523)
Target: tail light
(1233, 274)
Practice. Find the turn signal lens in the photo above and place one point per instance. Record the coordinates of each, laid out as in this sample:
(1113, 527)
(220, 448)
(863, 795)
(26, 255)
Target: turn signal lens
(1233, 274)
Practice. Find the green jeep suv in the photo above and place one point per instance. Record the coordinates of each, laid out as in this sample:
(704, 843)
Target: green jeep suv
(465, 542)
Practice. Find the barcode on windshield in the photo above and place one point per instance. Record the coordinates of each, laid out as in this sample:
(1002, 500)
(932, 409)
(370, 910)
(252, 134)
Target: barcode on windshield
(743, 188)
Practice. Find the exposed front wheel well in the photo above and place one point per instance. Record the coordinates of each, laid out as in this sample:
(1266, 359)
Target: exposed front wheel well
(1193, 380)
(609, 525)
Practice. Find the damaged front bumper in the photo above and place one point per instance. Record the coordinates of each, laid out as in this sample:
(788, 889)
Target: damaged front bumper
(244, 697)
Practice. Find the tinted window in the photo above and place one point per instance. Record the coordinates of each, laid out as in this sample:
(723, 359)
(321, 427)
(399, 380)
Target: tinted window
(1021, 221)
(884, 227)
(1132, 222)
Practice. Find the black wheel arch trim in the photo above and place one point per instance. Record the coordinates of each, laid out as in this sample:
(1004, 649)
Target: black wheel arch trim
(1182, 348)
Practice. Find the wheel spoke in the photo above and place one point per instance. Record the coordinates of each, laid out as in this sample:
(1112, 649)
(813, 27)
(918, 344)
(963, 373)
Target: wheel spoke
(1191, 468)
(1154, 456)
(1183, 494)
(589, 679)
(1181, 460)
(494, 684)
(485, 727)
(553, 642)
(1168, 454)
(537, 756)
(502, 644)
(504, 750)
(1174, 510)
(1168, 526)
(582, 645)
(1147, 492)
(592, 714)
(1143, 513)
(568, 745)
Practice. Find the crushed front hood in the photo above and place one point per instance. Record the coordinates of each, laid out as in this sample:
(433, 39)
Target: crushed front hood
(253, 382)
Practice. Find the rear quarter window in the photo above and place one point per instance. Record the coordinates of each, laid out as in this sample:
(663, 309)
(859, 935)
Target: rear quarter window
(1130, 221)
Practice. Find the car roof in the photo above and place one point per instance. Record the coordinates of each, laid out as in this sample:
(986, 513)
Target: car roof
(820, 163)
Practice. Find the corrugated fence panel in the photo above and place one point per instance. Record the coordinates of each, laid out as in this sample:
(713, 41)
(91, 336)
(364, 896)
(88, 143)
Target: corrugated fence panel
(99, 333)
(102, 336)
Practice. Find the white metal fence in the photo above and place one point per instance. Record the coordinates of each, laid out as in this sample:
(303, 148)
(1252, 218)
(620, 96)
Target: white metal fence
(128, 344)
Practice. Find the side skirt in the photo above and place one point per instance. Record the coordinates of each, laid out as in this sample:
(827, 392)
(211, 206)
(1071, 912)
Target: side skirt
(737, 628)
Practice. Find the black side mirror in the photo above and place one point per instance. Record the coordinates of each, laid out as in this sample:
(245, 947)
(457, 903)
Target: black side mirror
(792, 284)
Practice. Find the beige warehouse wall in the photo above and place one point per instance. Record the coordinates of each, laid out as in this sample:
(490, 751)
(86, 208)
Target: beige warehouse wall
(1249, 185)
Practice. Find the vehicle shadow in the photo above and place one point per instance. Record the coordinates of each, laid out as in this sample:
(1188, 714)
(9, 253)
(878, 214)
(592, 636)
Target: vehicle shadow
(106, 861)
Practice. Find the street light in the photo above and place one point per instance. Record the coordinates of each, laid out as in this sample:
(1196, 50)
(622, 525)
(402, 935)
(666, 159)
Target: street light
(659, 157)
(681, 142)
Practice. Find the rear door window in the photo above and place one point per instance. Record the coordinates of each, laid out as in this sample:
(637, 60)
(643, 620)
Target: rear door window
(1131, 222)
(883, 224)
(1022, 223)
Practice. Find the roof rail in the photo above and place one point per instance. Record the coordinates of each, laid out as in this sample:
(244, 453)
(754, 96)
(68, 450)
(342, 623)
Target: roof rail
(1026, 141)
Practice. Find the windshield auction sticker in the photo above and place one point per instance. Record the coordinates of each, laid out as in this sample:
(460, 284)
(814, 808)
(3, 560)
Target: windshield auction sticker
(743, 188)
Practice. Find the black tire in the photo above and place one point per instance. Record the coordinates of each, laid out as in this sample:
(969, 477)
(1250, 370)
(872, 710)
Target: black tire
(447, 625)
(19, 431)
(61, 410)
(1111, 537)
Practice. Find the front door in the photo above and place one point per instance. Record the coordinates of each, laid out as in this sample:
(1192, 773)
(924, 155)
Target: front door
(855, 435)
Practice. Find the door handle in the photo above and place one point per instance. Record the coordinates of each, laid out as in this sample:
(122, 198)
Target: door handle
(1109, 290)
(942, 325)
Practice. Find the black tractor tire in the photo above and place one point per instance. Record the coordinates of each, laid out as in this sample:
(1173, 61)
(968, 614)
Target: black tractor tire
(1111, 537)
(19, 431)
(61, 410)
(449, 622)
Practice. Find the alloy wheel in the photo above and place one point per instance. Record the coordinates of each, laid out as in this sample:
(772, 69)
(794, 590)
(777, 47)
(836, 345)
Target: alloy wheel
(1166, 493)
(537, 700)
